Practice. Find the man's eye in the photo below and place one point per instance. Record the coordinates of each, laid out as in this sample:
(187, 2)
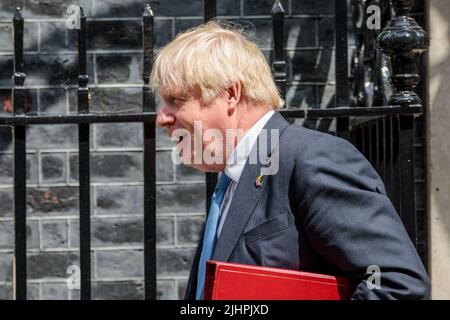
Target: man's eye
(176, 99)
(171, 100)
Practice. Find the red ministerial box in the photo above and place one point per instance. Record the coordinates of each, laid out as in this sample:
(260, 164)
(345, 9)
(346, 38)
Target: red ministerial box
(232, 281)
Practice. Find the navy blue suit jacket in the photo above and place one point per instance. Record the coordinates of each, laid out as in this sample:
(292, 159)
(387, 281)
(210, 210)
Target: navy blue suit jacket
(325, 211)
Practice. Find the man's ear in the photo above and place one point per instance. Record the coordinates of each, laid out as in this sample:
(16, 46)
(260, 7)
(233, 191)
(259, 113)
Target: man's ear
(234, 96)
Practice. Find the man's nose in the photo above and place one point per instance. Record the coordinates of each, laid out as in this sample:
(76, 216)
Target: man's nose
(164, 117)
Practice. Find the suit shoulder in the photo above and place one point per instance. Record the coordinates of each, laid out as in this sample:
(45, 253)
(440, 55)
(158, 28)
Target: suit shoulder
(322, 152)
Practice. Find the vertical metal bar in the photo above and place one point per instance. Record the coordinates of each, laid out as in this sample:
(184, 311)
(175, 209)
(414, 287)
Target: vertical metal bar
(376, 145)
(370, 142)
(363, 140)
(19, 137)
(387, 155)
(373, 143)
(341, 65)
(279, 60)
(407, 198)
(342, 128)
(359, 138)
(341, 43)
(395, 164)
(84, 165)
(148, 104)
(209, 12)
(381, 153)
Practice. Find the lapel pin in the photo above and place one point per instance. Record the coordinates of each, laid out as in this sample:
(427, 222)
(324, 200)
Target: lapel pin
(265, 162)
(258, 182)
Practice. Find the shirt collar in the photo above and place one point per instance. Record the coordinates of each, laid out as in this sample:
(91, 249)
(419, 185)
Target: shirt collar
(238, 157)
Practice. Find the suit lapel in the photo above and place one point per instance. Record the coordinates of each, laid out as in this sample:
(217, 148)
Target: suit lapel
(247, 193)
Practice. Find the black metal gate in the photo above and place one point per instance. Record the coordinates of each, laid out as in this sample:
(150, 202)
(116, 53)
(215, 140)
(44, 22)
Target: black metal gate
(20, 120)
(383, 130)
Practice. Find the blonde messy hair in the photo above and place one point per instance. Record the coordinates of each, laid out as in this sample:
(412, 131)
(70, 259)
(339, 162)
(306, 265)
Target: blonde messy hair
(211, 57)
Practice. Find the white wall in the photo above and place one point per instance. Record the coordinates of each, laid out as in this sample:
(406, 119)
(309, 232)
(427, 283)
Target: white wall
(438, 147)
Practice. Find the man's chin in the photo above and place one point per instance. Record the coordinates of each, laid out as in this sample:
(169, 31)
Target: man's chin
(200, 164)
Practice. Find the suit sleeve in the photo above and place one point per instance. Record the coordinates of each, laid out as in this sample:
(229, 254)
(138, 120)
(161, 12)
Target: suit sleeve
(351, 223)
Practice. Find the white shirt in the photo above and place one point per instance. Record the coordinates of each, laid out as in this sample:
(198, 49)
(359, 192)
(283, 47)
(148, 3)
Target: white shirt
(236, 163)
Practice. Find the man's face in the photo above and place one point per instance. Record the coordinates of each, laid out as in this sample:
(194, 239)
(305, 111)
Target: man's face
(199, 129)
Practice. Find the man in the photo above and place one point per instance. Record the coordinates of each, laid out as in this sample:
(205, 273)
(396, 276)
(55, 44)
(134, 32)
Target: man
(311, 202)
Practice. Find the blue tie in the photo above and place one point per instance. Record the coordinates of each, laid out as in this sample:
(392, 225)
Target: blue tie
(210, 237)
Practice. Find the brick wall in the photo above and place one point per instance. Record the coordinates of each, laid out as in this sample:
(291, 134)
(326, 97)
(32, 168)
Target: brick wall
(114, 67)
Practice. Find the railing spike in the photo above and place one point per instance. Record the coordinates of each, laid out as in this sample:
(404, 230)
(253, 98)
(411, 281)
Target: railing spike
(18, 14)
(148, 12)
(277, 7)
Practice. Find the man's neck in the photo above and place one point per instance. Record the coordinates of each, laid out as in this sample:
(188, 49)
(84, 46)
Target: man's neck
(238, 157)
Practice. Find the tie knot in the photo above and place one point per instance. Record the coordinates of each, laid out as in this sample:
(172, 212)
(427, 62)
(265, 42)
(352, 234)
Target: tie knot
(223, 182)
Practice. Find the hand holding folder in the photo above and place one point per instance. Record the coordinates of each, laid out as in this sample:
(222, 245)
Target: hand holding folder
(231, 281)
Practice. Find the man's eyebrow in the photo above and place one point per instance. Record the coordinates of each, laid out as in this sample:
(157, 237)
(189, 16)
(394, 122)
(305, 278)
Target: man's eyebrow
(175, 95)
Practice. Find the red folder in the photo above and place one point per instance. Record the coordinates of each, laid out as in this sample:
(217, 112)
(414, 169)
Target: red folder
(232, 281)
